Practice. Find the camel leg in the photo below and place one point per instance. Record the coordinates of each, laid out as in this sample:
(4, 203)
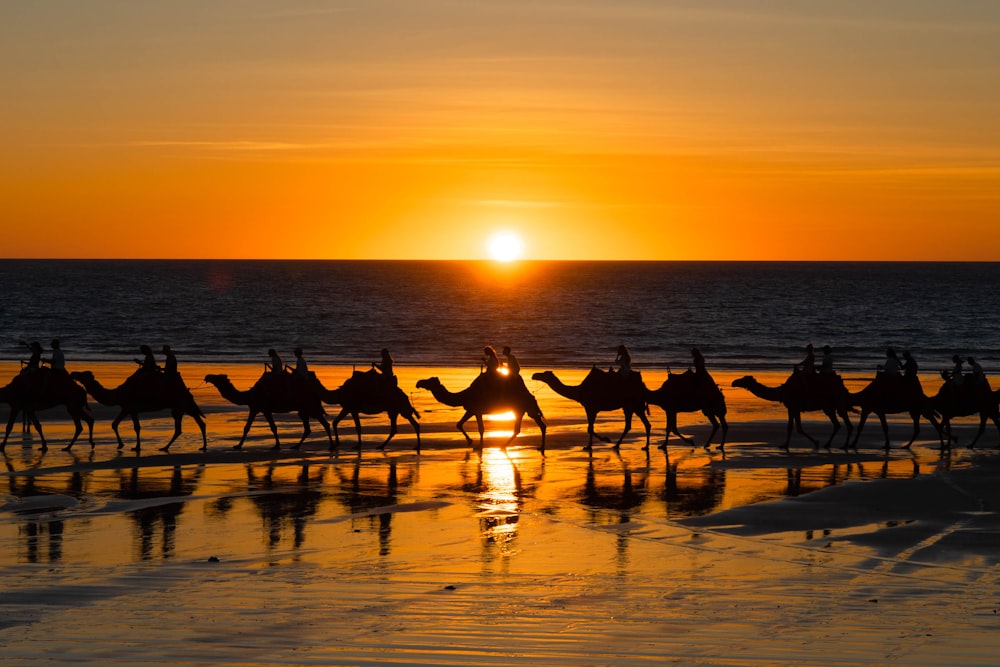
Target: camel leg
(788, 430)
(847, 424)
(416, 429)
(628, 427)
(885, 431)
(307, 430)
(357, 428)
(461, 427)
(325, 423)
(715, 429)
(246, 429)
(482, 429)
(274, 429)
(724, 423)
(832, 416)
(77, 430)
(10, 427)
(204, 435)
(801, 431)
(177, 431)
(982, 429)
(392, 430)
(114, 427)
(335, 425)
(517, 429)
(542, 427)
(33, 419)
(645, 422)
(137, 428)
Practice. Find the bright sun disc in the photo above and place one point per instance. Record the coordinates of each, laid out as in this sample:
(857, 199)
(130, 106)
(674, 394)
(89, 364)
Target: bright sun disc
(505, 246)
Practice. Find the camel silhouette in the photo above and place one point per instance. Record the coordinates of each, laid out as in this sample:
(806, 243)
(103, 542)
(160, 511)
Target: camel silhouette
(601, 391)
(972, 397)
(892, 394)
(489, 393)
(275, 393)
(691, 392)
(146, 392)
(29, 392)
(370, 393)
(801, 393)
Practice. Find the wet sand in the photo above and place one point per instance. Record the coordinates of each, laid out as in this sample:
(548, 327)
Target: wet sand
(456, 557)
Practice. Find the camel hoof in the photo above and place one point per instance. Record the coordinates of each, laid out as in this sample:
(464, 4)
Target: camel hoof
(239, 446)
(275, 448)
(67, 448)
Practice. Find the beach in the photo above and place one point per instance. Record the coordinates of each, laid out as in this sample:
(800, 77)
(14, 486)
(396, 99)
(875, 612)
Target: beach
(459, 556)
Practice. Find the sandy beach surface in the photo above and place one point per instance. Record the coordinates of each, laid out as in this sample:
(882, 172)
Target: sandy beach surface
(453, 556)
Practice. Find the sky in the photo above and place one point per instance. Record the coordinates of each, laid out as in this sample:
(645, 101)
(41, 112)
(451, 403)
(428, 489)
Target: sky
(634, 129)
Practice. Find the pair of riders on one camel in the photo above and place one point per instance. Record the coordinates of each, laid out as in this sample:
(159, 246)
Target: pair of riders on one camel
(500, 375)
(151, 377)
(37, 373)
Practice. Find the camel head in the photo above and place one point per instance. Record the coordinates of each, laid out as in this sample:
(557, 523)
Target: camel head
(217, 379)
(544, 376)
(430, 383)
(82, 376)
(744, 382)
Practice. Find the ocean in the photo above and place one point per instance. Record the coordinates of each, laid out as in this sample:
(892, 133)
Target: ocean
(742, 315)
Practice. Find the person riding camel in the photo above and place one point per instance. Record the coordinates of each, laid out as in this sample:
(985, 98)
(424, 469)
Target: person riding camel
(826, 363)
(301, 367)
(891, 366)
(148, 363)
(169, 361)
(388, 376)
(58, 361)
(276, 366)
(512, 364)
(623, 360)
(35, 360)
(910, 367)
(490, 360)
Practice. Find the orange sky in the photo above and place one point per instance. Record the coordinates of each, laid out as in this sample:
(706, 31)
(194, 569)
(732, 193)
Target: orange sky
(640, 129)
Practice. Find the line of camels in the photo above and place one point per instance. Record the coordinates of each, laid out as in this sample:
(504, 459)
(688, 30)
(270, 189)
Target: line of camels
(492, 392)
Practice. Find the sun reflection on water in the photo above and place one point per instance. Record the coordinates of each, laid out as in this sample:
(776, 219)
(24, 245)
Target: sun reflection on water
(499, 500)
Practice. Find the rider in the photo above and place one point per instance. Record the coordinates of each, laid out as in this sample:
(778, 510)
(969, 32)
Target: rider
(169, 362)
(276, 366)
(301, 367)
(148, 363)
(910, 367)
(623, 360)
(826, 364)
(58, 361)
(891, 366)
(513, 365)
(490, 359)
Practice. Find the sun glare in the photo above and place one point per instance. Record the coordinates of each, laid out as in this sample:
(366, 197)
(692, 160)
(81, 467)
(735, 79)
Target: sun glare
(505, 246)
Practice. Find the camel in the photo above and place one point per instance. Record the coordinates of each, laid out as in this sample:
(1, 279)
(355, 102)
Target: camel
(803, 393)
(691, 392)
(42, 389)
(275, 392)
(370, 393)
(972, 397)
(891, 394)
(601, 391)
(146, 391)
(490, 393)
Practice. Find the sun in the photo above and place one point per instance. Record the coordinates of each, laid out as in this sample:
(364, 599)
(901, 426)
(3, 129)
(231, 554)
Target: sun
(505, 246)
